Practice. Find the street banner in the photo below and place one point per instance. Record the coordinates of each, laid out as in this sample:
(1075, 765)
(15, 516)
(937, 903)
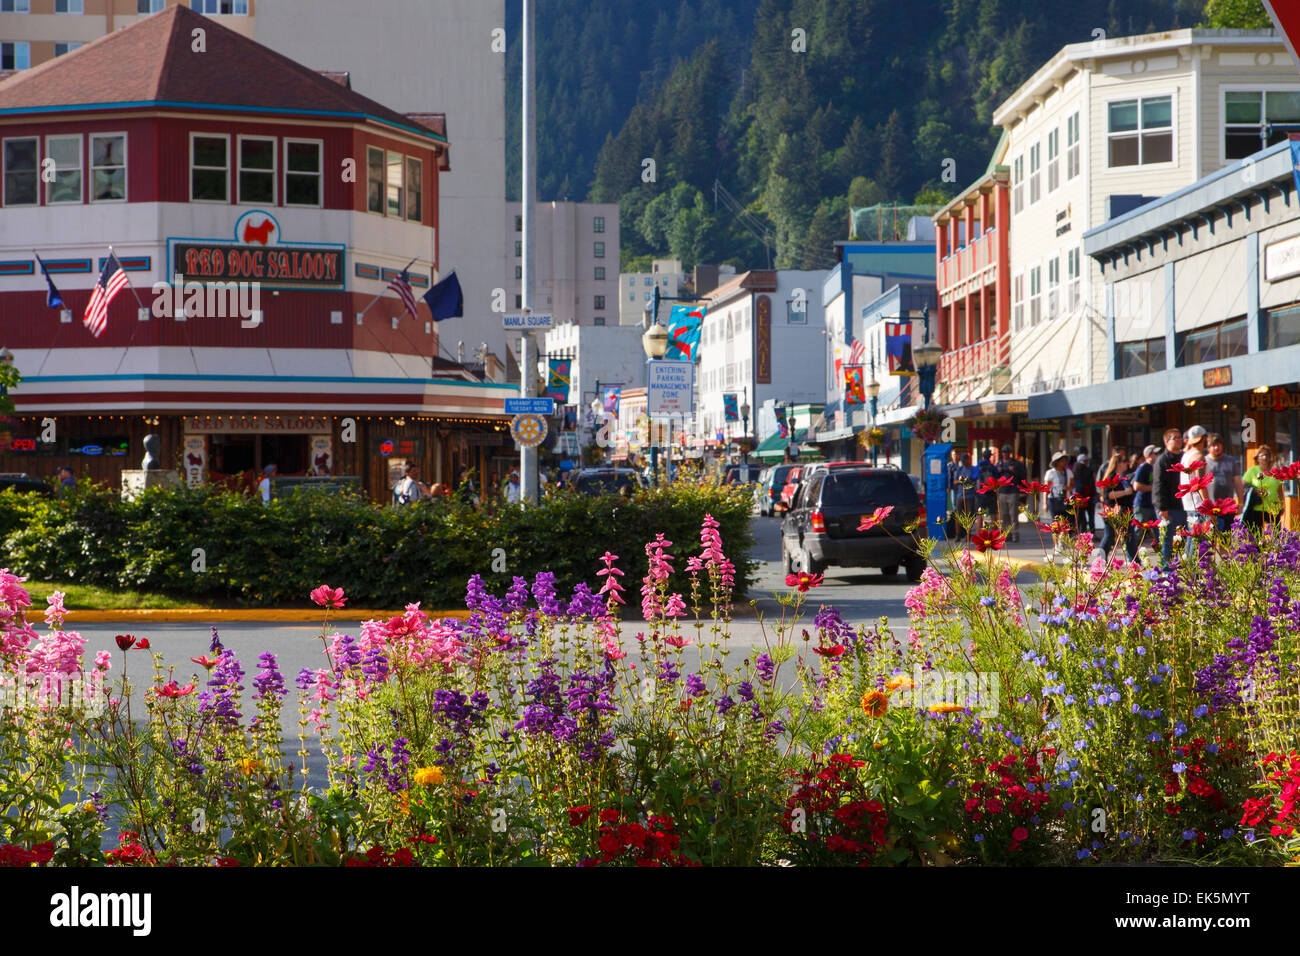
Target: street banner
(557, 380)
(780, 422)
(610, 400)
(898, 348)
(730, 409)
(854, 392)
(685, 323)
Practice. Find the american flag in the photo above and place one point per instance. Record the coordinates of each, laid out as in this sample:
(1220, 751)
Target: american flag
(111, 281)
(402, 286)
(857, 353)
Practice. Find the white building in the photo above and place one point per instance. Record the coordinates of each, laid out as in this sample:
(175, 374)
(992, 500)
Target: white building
(635, 288)
(419, 57)
(602, 356)
(1102, 128)
(762, 340)
(576, 260)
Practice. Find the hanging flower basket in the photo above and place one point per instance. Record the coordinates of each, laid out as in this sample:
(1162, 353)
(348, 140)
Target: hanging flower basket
(872, 438)
(927, 425)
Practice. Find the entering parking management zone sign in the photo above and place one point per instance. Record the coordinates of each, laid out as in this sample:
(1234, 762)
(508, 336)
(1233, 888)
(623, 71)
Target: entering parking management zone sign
(671, 391)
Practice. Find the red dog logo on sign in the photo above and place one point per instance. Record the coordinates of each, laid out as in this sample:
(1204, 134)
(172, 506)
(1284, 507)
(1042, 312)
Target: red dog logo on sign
(259, 233)
(257, 227)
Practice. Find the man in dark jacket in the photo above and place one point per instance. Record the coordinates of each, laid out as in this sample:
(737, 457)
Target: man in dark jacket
(1085, 484)
(1009, 497)
(1164, 485)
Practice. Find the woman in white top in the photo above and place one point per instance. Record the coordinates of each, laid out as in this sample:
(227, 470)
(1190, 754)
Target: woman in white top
(1193, 452)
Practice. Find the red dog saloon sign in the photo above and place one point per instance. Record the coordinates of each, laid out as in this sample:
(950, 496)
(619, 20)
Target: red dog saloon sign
(257, 255)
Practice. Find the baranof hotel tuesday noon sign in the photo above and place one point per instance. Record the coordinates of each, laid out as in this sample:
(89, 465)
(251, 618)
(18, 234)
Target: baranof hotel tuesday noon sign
(257, 254)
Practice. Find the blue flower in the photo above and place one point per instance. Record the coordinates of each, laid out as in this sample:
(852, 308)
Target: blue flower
(1180, 768)
(1141, 651)
(1083, 854)
(1201, 711)
(1227, 834)
(1080, 744)
(988, 601)
(1189, 834)
(1180, 728)
(979, 838)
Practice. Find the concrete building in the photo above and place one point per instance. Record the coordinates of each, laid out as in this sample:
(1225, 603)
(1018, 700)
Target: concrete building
(602, 357)
(576, 260)
(761, 340)
(1100, 129)
(634, 288)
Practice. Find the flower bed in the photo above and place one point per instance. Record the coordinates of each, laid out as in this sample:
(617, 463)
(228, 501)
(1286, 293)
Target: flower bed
(1114, 713)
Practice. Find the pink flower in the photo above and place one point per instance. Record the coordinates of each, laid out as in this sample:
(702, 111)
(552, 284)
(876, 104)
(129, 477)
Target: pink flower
(55, 613)
(875, 518)
(327, 596)
(675, 607)
(677, 641)
(103, 660)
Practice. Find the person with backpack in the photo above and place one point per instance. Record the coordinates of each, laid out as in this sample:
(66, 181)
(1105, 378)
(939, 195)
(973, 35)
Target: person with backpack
(410, 489)
(1085, 485)
(1009, 466)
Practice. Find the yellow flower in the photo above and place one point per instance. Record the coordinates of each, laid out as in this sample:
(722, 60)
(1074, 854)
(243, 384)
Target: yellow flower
(946, 708)
(877, 745)
(404, 802)
(429, 776)
(88, 807)
(899, 682)
(874, 703)
(248, 766)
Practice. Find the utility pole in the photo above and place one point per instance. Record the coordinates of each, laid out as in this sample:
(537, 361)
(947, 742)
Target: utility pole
(527, 364)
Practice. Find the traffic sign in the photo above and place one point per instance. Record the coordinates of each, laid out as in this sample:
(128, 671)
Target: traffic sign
(530, 406)
(672, 388)
(527, 321)
(528, 431)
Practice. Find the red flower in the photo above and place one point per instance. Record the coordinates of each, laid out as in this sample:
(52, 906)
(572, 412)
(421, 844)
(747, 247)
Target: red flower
(327, 596)
(175, 690)
(207, 663)
(876, 517)
(142, 644)
(227, 861)
(1034, 488)
(1145, 524)
(1220, 506)
(990, 485)
(1104, 483)
(1179, 467)
(803, 581)
(633, 834)
(1020, 834)
(125, 641)
(1195, 485)
(989, 538)
(609, 815)
(835, 650)
(1078, 501)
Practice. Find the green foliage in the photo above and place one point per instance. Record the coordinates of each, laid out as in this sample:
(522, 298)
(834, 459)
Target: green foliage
(384, 557)
(1236, 15)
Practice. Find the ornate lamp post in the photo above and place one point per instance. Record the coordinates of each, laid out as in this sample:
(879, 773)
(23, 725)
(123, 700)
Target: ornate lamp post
(655, 344)
(744, 419)
(927, 360)
(873, 393)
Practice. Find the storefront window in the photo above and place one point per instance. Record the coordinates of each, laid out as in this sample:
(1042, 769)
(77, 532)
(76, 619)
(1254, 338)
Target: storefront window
(1283, 328)
(1140, 358)
(1213, 343)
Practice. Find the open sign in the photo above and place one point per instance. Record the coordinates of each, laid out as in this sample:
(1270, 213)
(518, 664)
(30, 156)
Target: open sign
(385, 448)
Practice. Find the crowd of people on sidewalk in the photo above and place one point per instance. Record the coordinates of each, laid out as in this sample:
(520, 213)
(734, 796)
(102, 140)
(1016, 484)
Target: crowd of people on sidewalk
(1148, 496)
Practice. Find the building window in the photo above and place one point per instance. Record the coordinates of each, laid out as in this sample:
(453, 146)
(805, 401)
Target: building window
(600, 274)
(796, 312)
(209, 168)
(227, 7)
(598, 320)
(1212, 343)
(1035, 295)
(108, 167)
(1072, 149)
(149, 6)
(65, 151)
(649, 281)
(598, 250)
(519, 223)
(1053, 160)
(598, 224)
(256, 170)
(414, 190)
(598, 302)
(394, 208)
(15, 6)
(1283, 328)
(1141, 132)
(1018, 302)
(631, 297)
(1053, 287)
(374, 180)
(68, 6)
(1245, 110)
(1035, 172)
(15, 56)
(519, 301)
(302, 173)
(1140, 358)
(20, 162)
(1073, 278)
(519, 249)
(62, 48)
(1018, 187)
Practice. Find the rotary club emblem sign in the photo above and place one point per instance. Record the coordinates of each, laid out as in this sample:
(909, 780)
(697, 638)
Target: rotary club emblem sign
(528, 431)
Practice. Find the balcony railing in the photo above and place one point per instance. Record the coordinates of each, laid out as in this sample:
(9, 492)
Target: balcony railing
(959, 366)
(968, 260)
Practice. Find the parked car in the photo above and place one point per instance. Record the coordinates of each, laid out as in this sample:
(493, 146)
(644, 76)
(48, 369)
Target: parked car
(769, 490)
(791, 488)
(741, 474)
(26, 485)
(821, 528)
(607, 481)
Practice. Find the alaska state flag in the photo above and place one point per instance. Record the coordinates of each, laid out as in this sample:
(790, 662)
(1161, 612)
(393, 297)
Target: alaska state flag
(53, 299)
(445, 299)
(684, 327)
(854, 393)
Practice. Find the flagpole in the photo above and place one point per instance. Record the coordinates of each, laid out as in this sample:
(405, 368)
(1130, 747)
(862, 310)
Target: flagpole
(385, 289)
(112, 253)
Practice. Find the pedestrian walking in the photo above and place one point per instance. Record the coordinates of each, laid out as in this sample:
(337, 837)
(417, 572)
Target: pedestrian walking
(1117, 498)
(410, 489)
(264, 486)
(1009, 496)
(1164, 484)
(1085, 485)
(67, 481)
(1228, 483)
(1144, 509)
(987, 503)
(1058, 485)
(1265, 495)
(511, 490)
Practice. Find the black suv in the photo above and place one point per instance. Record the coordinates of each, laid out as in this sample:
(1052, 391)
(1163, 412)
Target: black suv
(821, 528)
(22, 484)
(607, 481)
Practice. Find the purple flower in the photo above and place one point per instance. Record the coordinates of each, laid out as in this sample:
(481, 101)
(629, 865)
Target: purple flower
(765, 667)
(725, 704)
(268, 682)
(695, 685)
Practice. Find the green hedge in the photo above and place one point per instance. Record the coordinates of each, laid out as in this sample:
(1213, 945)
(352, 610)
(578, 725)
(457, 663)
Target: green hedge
(384, 557)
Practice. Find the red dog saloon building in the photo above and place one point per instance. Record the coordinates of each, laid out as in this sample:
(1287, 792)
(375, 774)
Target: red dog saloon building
(259, 210)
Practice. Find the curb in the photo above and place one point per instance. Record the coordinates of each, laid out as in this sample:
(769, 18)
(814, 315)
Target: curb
(201, 615)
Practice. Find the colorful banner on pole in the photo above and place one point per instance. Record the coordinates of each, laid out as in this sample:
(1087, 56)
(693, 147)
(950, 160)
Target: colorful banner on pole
(898, 348)
(730, 409)
(611, 397)
(685, 324)
(854, 392)
(557, 380)
(780, 422)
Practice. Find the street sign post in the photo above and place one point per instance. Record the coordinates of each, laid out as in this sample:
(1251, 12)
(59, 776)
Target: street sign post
(671, 390)
(530, 406)
(527, 321)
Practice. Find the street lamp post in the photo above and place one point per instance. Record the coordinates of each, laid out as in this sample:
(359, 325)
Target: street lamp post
(744, 420)
(655, 345)
(927, 360)
(873, 393)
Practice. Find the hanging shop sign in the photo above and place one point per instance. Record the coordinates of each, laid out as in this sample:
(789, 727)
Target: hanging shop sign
(763, 340)
(1118, 416)
(1039, 425)
(1217, 377)
(257, 255)
(253, 424)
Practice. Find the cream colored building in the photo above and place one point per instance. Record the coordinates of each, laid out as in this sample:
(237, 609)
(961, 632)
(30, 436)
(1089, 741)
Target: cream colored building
(1100, 129)
(577, 261)
(33, 31)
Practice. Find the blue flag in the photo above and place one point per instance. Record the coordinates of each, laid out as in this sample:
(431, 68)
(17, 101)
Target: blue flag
(684, 327)
(53, 299)
(445, 300)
